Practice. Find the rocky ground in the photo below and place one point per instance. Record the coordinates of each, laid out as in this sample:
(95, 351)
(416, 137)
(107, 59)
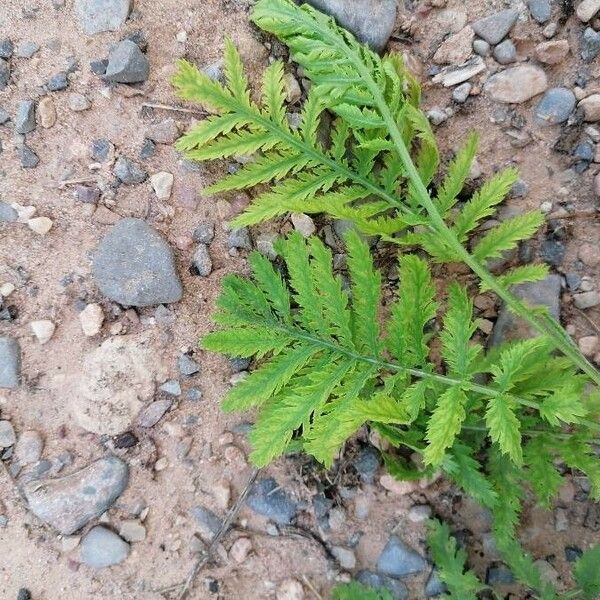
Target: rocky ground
(118, 467)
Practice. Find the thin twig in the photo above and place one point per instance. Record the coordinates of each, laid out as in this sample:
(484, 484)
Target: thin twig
(229, 519)
(311, 587)
(64, 184)
(191, 111)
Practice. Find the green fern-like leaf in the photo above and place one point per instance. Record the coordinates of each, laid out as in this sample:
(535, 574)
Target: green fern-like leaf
(587, 575)
(357, 591)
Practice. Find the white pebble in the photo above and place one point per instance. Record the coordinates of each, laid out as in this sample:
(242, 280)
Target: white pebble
(40, 225)
(43, 330)
(162, 184)
(25, 212)
(91, 319)
(240, 549)
(6, 289)
(181, 37)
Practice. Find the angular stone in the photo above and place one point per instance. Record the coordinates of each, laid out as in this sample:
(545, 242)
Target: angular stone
(371, 21)
(590, 44)
(555, 106)
(25, 117)
(7, 434)
(6, 48)
(450, 76)
(154, 412)
(96, 16)
(43, 330)
(517, 84)
(165, 132)
(58, 82)
(267, 499)
(553, 52)
(69, 503)
(10, 362)
(47, 112)
(127, 64)
(101, 548)
(134, 266)
(399, 560)
(455, 49)
(587, 9)
(541, 10)
(494, 28)
(591, 108)
(4, 73)
(162, 183)
(128, 171)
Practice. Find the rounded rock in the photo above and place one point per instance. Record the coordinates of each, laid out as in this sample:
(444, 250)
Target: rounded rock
(43, 330)
(102, 548)
(91, 319)
(555, 106)
(517, 84)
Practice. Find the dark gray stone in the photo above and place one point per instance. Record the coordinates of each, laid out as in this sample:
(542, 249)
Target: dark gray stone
(29, 159)
(553, 252)
(134, 266)
(555, 106)
(541, 10)
(10, 362)
(101, 148)
(96, 16)
(148, 149)
(194, 394)
(101, 548)
(573, 281)
(6, 48)
(239, 238)
(201, 261)
(505, 52)
(23, 594)
(187, 366)
(4, 73)
(590, 44)
(204, 232)
(377, 581)
(128, 171)
(494, 28)
(7, 213)
(398, 560)
(371, 21)
(238, 363)
(154, 412)
(367, 463)
(139, 38)
(98, 67)
(127, 64)
(68, 503)
(209, 522)
(500, 575)
(539, 293)
(434, 586)
(573, 553)
(25, 117)
(4, 116)
(268, 500)
(520, 189)
(58, 82)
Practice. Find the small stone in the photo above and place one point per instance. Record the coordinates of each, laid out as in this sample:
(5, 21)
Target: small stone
(550, 30)
(395, 486)
(40, 225)
(398, 560)
(517, 84)
(586, 300)
(132, 531)
(378, 581)
(98, 67)
(181, 37)
(204, 232)
(303, 223)
(547, 572)
(214, 71)
(505, 53)
(43, 330)
(590, 44)
(68, 503)
(165, 132)
(171, 387)
(7, 434)
(58, 82)
(561, 520)
(91, 319)
(4, 74)
(28, 449)
(268, 499)
(553, 252)
(240, 549)
(555, 106)
(127, 439)
(7, 213)
(26, 49)
(591, 108)
(207, 520)
(23, 594)
(494, 28)
(201, 261)
(434, 586)
(101, 548)
(588, 254)
(128, 171)
(239, 238)
(419, 513)
(344, 556)
(573, 553)
(25, 117)
(78, 102)
(455, 49)
(450, 76)
(552, 53)
(290, 589)
(96, 16)
(29, 159)
(4, 116)
(6, 48)
(482, 48)
(139, 38)
(461, 92)
(187, 366)
(162, 183)
(127, 64)
(47, 112)
(194, 394)
(587, 9)
(154, 412)
(10, 362)
(6, 289)
(101, 148)
(367, 463)
(293, 93)
(87, 195)
(265, 244)
(541, 10)
(499, 576)
(437, 116)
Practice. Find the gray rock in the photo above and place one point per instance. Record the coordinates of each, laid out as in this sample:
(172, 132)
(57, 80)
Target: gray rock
(590, 44)
(194, 394)
(371, 21)
(58, 82)
(29, 159)
(555, 106)
(96, 16)
(208, 521)
(148, 149)
(377, 581)
(87, 195)
(187, 366)
(553, 252)
(398, 560)
(128, 171)
(539, 293)
(4, 116)
(520, 189)
(26, 49)
(499, 576)
(68, 503)
(481, 47)
(239, 238)
(154, 412)
(25, 117)
(101, 548)
(461, 92)
(494, 28)
(4, 73)
(238, 364)
(367, 463)
(134, 266)
(505, 52)
(7, 434)
(541, 10)
(139, 38)
(7, 213)
(204, 232)
(586, 299)
(98, 67)
(171, 387)
(201, 261)
(517, 84)
(6, 48)
(101, 148)
(127, 64)
(10, 362)
(434, 586)
(268, 500)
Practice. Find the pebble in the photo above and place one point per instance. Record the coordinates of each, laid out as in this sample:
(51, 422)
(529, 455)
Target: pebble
(586, 300)
(101, 548)
(239, 238)
(481, 47)
(7, 213)
(46, 112)
(162, 183)
(344, 556)
(7, 434)
(587, 9)
(134, 266)
(126, 64)
(541, 10)
(553, 52)
(561, 520)
(101, 148)
(148, 149)
(40, 225)
(165, 132)
(505, 52)
(28, 158)
(450, 76)
(399, 560)
(6, 48)
(187, 366)
(194, 394)
(461, 92)
(91, 319)
(517, 84)
(500, 575)
(204, 232)
(4, 73)
(87, 195)
(68, 503)
(171, 387)
(154, 412)
(455, 49)
(303, 223)
(25, 117)
(268, 500)
(550, 30)
(240, 549)
(494, 28)
(591, 108)
(23, 594)
(43, 330)
(293, 92)
(377, 581)
(132, 531)
(78, 102)
(371, 21)
(290, 589)
(590, 44)
(128, 171)
(265, 244)
(419, 513)
(4, 116)
(58, 82)
(401, 488)
(26, 49)
(96, 16)
(207, 520)
(29, 447)
(10, 362)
